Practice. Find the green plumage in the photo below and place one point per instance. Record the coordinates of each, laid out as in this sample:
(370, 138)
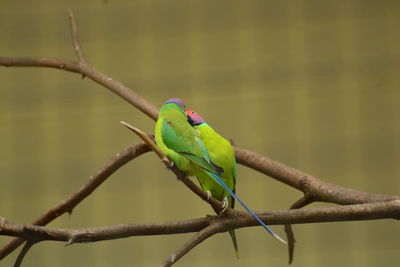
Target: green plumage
(179, 141)
(222, 154)
(199, 151)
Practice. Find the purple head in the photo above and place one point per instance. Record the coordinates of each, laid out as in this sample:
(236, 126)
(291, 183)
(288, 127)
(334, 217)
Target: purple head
(194, 118)
(176, 101)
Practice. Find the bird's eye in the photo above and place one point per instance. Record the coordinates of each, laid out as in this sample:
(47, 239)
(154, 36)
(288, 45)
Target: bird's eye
(192, 112)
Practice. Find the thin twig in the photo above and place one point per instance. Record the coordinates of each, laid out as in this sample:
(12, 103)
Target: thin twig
(302, 202)
(23, 252)
(189, 245)
(149, 142)
(75, 40)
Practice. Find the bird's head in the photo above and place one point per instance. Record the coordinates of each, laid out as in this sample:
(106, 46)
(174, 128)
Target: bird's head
(194, 118)
(177, 101)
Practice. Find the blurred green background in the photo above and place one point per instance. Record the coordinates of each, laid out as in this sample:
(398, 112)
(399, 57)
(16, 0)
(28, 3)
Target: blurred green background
(313, 84)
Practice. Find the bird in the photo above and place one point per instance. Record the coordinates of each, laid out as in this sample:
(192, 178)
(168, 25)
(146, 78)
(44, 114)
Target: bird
(181, 143)
(222, 154)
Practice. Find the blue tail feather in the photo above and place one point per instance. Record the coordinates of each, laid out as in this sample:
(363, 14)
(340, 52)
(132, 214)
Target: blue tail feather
(219, 181)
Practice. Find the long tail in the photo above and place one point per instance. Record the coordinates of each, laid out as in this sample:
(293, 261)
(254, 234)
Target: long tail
(235, 245)
(218, 180)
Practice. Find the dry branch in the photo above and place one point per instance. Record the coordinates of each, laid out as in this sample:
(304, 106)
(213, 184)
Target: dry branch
(302, 202)
(313, 188)
(84, 191)
(239, 219)
(316, 188)
(75, 40)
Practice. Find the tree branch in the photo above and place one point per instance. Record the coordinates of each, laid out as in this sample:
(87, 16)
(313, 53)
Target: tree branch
(72, 201)
(23, 252)
(238, 219)
(317, 189)
(199, 237)
(206, 226)
(87, 71)
(302, 202)
(75, 40)
(313, 188)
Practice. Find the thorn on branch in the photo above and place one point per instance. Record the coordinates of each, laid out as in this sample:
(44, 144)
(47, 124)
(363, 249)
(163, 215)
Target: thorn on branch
(72, 239)
(69, 242)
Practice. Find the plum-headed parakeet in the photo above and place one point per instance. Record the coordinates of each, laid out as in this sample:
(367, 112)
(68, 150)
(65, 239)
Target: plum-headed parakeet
(221, 153)
(182, 144)
(179, 140)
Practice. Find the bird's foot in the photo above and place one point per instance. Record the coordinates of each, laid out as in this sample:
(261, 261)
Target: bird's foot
(169, 163)
(224, 206)
(208, 195)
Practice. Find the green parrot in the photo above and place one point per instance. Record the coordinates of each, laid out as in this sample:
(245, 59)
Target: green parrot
(222, 154)
(179, 141)
(182, 144)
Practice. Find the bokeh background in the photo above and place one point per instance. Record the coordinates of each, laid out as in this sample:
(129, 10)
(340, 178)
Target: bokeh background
(313, 84)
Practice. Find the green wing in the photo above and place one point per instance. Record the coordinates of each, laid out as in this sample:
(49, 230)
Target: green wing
(179, 136)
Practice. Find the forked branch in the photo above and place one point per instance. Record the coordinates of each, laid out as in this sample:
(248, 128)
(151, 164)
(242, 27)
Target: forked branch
(68, 204)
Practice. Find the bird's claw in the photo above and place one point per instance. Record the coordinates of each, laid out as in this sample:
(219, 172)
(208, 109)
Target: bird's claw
(208, 195)
(224, 206)
(169, 163)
